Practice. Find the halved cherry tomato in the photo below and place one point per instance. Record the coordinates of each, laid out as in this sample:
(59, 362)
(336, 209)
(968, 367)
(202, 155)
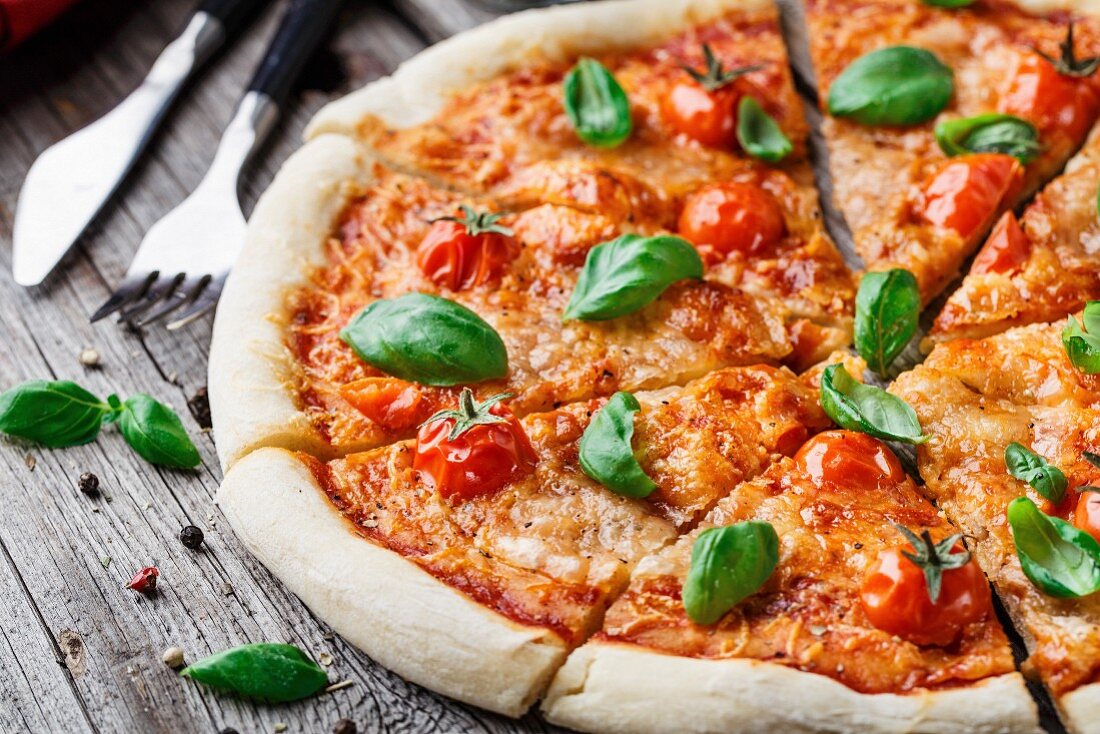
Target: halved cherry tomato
(1087, 514)
(850, 459)
(965, 192)
(1006, 249)
(705, 116)
(1051, 101)
(732, 217)
(465, 252)
(894, 595)
(393, 404)
(480, 459)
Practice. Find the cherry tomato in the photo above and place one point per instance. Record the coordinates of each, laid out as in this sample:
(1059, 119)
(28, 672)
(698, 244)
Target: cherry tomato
(1065, 507)
(1006, 249)
(1051, 101)
(732, 217)
(894, 595)
(479, 460)
(465, 252)
(1087, 514)
(705, 116)
(965, 192)
(849, 458)
(393, 404)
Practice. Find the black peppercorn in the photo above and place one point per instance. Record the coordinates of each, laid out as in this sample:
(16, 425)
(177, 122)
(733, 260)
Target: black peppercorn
(228, 730)
(344, 726)
(191, 536)
(88, 484)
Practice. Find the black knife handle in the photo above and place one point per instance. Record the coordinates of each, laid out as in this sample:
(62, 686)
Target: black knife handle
(302, 27)
(232, 14)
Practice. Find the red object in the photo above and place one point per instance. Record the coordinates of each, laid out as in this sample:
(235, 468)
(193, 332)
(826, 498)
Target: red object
(145, 580)
(393, 404)
(453, 257)
(1006, 249)
(849, 459)
(708, 117)
(1052, 101)
(1086, 516)
(725, 218)
(20, 18)
(965, 192)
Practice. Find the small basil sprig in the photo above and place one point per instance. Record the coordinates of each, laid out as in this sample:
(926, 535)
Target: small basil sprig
(605, 451)
(1028, 466)
(628, 273)
(989, 133)
(427, 339)
(1082, 339)
(867, 408)
(597, 105)
(264, 671)
(759, 134)
(887, 310)
(897, 85)
(60, 414)
(728, 564)
(1061, 560)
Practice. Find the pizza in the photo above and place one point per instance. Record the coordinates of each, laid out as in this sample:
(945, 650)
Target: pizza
(917, 207)
(1037, 268)
(976, 398)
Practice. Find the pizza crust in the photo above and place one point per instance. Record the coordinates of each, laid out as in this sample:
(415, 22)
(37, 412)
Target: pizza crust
(406, 619)
(612, 687)
(252, 373)
(1080, 709)
(419, 88)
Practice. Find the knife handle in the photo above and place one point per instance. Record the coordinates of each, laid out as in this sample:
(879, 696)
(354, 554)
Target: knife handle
(232, 14)
(303, 26)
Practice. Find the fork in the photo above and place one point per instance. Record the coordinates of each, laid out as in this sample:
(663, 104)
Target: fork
(181, 266)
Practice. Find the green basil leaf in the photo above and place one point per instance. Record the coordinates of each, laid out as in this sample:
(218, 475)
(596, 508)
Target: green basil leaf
(596, 105)
(1061, 560)
(265, 671)
(759, 134)
(728, 564)
(54, 414)
(867, 408)
(897, 85)
(1028, 466)
(628, 273)
(154, 431)
(887, 311)
(605, 452)
(949, 3)
(427, 339)
(1082, 341)
(989, 133)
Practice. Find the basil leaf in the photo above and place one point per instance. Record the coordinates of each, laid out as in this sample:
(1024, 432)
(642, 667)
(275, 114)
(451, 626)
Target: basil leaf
(154, 431)
(628, 273)
(1061, 560)
(727, 565)
(54, 414)
(1082, 341)
(605, 452)
(949, 3)
(759, 134)
(887, 310)
(897, 85)
(867, 408)
(1028, 466)
(989, 133)
(596, 105)
(265, 671)
(427, 339)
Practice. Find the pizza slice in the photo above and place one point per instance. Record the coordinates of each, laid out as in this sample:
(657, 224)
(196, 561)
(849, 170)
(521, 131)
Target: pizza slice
(823, 622)
(366, 299)
(1012, 422)
(471, 558)
(942, 117)
(1038, 268)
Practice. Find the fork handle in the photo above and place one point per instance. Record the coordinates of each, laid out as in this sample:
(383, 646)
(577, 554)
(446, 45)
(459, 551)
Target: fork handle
(232, 14)
(303, 26)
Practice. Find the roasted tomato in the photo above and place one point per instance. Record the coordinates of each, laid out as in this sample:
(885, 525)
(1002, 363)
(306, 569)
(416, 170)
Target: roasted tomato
(1006, 249)
(703, 105)
(1087, 514)
(393, 404)
(965, 192)
(1051, 101)
(850, 459)
(473, 450)
(732, 217)
(898, 592)
(466, 250)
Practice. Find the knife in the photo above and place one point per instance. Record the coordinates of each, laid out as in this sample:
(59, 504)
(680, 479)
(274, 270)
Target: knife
(72, 180)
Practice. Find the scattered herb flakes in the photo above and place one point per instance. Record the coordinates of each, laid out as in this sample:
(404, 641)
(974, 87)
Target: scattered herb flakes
(106, 561)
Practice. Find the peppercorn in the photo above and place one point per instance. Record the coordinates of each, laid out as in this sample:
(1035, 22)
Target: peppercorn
(145, 580)
(228, 730)
(88, 484)
(191, 537)
(345, 726)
